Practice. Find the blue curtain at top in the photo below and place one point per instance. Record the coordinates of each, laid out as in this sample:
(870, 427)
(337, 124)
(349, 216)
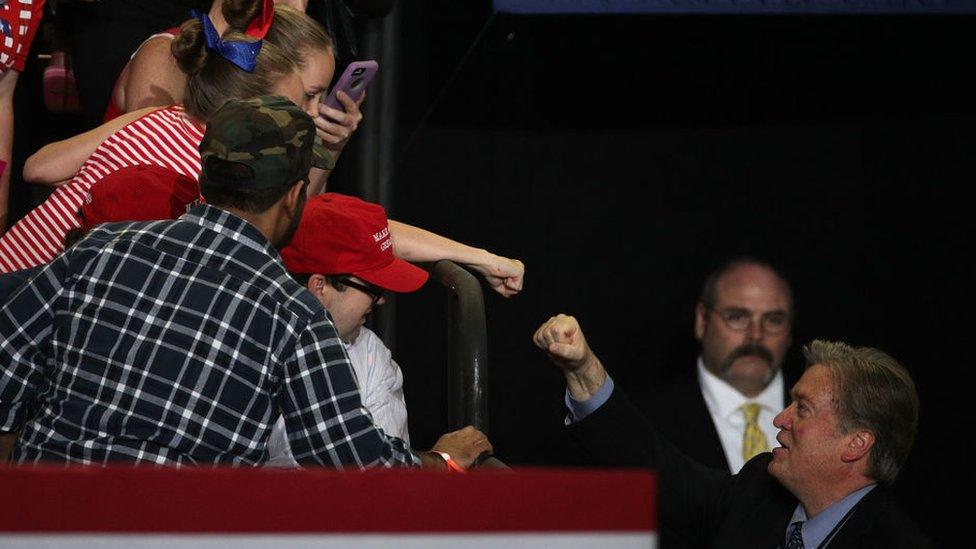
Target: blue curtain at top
(735, 6)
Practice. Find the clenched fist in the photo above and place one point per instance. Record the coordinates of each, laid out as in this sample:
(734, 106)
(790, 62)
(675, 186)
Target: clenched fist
(562, 339)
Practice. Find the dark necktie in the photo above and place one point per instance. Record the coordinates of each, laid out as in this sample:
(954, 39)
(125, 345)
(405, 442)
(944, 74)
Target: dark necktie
(795, 540)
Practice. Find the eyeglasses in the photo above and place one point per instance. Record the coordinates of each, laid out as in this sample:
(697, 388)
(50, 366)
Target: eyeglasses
(738, 320)
(373, 291)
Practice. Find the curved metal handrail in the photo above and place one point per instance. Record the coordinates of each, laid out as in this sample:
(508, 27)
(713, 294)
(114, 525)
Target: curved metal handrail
(467, 347)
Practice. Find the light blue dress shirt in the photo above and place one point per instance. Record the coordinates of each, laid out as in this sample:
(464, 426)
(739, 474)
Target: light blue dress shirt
(579, 409)
(818, 531)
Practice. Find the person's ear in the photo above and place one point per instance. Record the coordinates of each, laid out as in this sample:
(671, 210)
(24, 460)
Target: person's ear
(700, 311)
(294, 195)
(859, 444)
(316, 283)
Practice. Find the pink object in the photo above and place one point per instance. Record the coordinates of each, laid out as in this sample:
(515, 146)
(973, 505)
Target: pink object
(60, 92)
(3, 166)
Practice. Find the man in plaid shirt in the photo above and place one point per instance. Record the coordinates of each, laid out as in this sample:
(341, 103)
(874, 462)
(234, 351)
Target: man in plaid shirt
(180, 342)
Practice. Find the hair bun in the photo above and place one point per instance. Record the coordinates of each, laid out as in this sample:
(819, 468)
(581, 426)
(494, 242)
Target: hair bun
(190, 47)
(240, 13)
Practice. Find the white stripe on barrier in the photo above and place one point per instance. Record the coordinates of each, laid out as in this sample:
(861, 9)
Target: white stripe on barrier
(352, 541)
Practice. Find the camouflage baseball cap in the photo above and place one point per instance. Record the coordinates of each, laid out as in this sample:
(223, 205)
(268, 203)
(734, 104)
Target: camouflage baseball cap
(259, 143)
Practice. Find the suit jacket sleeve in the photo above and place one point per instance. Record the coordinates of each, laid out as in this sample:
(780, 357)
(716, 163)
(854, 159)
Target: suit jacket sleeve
(694, 498)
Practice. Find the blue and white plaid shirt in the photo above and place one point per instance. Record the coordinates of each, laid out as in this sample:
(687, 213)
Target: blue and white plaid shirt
(178, 342)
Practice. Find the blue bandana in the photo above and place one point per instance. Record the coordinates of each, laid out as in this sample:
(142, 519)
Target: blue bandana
(241, 53)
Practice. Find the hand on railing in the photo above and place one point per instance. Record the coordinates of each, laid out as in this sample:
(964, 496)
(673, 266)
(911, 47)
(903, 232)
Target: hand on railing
(460, 448)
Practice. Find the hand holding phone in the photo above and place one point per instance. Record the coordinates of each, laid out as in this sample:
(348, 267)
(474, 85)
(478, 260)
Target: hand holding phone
(353, 82)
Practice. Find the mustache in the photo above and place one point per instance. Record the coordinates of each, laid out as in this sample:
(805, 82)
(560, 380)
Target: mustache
(749, 349)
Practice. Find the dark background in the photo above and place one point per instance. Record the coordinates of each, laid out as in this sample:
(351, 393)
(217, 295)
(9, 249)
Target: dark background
(624, 157)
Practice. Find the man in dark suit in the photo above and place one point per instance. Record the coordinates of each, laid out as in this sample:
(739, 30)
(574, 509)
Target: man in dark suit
(842, 442)
(721, 411)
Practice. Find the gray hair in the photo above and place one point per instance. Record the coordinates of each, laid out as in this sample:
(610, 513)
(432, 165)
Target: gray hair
(871, 391)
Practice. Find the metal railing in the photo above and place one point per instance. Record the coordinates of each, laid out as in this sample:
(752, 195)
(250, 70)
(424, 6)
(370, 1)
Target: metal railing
(467, 347)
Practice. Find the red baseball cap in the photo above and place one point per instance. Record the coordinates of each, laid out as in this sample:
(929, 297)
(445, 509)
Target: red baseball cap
(138, 193)
(340, 234)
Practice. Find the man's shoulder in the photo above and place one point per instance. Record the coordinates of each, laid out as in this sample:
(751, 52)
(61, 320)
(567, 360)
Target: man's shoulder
(368, 353)
(14, 279)
(756, 471)
(368, 341)
(184, 246)
(298, 300)
(878, 522)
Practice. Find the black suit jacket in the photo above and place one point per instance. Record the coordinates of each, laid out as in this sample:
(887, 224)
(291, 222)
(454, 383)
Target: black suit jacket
(707, 507)
(679, 412)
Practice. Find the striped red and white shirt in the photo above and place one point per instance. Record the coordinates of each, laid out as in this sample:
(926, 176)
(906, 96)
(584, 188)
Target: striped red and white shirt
(166, 138)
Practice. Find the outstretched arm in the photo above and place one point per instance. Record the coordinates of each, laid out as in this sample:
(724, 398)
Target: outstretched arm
(57, 162)
(618, 435)
(411, 243)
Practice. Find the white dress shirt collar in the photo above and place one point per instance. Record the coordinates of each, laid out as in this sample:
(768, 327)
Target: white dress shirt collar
(725, 399)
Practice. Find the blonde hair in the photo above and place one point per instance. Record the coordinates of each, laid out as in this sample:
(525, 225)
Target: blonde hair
(294, 31)
(212, 80)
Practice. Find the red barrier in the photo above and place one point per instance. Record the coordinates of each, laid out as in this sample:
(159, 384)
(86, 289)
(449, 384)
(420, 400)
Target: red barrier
(188, 502)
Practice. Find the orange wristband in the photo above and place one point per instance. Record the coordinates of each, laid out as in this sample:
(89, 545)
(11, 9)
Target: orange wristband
(451, 464)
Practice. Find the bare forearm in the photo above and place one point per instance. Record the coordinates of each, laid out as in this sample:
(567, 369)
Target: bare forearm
(418, 245)
(59, 161)
(317, 181)
(318, 178)
(411, 243)
(562, 339)
(584, 382)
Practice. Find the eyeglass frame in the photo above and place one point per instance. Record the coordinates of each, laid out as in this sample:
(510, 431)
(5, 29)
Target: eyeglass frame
(371, 290)
(787, 319)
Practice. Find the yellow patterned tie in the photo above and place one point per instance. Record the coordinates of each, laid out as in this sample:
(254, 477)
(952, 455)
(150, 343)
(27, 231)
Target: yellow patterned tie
(753, 440)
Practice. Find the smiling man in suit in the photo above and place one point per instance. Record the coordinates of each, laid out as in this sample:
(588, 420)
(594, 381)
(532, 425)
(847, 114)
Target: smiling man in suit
(721, 412)
(842, 441)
